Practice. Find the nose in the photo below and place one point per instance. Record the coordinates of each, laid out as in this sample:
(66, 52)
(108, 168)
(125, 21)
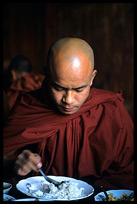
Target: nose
(68, 97)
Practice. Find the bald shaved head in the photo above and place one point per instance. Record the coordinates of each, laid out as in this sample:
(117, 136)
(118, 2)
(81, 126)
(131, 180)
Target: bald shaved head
(70, 73)
(69, 48)
(72, 46)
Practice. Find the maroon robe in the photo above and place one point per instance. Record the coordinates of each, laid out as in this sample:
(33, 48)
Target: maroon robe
(95, 141)
(28, 82)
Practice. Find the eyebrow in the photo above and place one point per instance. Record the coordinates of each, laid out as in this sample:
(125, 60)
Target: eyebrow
(59, 86)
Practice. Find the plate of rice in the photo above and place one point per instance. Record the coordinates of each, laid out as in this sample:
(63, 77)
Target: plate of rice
(116, 195)
(70, 188)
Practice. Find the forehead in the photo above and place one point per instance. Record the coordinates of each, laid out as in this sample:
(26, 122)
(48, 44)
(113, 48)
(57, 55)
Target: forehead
(69, 70)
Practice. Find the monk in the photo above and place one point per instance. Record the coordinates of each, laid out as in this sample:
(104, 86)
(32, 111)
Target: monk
(19, 78)
(69, 128)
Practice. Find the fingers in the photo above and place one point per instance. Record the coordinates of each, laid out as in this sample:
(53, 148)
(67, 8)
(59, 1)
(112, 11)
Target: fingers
(26, 162)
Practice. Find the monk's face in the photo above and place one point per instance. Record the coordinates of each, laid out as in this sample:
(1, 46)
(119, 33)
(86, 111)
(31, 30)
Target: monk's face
(70, 82)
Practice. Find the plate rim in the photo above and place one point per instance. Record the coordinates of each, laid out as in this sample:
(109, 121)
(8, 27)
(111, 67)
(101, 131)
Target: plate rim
(4, 194)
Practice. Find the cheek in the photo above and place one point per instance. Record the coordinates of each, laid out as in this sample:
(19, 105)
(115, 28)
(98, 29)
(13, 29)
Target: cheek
(83, 96)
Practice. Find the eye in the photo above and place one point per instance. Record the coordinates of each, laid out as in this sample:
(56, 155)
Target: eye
(79, 90)
(57, 88)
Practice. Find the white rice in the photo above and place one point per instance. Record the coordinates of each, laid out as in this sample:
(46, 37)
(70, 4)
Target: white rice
(67, 190)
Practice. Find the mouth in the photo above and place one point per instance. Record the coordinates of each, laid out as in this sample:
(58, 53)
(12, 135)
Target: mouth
(68, 109)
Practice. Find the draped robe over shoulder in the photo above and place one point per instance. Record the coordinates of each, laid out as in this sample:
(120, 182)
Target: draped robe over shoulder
(26, 83)
(95, 141)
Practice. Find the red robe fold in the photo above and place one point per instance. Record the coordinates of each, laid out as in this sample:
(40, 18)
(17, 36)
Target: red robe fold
(95, 141)
(28, 82)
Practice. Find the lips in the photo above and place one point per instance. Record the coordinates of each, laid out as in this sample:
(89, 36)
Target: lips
(67, 109)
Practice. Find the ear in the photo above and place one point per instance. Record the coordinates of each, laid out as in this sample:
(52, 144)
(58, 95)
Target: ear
(14, 75)
(93, 76)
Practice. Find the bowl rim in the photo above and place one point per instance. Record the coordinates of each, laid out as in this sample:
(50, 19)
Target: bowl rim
(7, 185)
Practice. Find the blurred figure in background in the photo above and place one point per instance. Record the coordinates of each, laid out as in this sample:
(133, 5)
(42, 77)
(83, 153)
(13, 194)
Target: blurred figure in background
(18, 78)
(5, 107)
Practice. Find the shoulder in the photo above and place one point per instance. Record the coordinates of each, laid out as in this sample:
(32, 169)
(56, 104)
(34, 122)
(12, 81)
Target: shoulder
(102, 95)
(112, 104)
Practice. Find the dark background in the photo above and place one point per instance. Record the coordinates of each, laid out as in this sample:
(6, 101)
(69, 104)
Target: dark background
(30, 28)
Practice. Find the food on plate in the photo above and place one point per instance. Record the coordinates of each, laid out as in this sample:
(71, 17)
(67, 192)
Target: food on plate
(66, 190)
(31, 185)
(124, 197)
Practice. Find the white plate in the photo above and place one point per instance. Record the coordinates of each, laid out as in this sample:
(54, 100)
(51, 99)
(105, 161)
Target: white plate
(116, 193)
(7, 197)
(36, 181)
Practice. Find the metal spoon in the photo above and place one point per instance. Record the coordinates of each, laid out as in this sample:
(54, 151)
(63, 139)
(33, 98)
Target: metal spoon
(56, 183)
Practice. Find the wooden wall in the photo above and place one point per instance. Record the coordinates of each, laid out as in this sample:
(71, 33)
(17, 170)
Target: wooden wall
(30, 28)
